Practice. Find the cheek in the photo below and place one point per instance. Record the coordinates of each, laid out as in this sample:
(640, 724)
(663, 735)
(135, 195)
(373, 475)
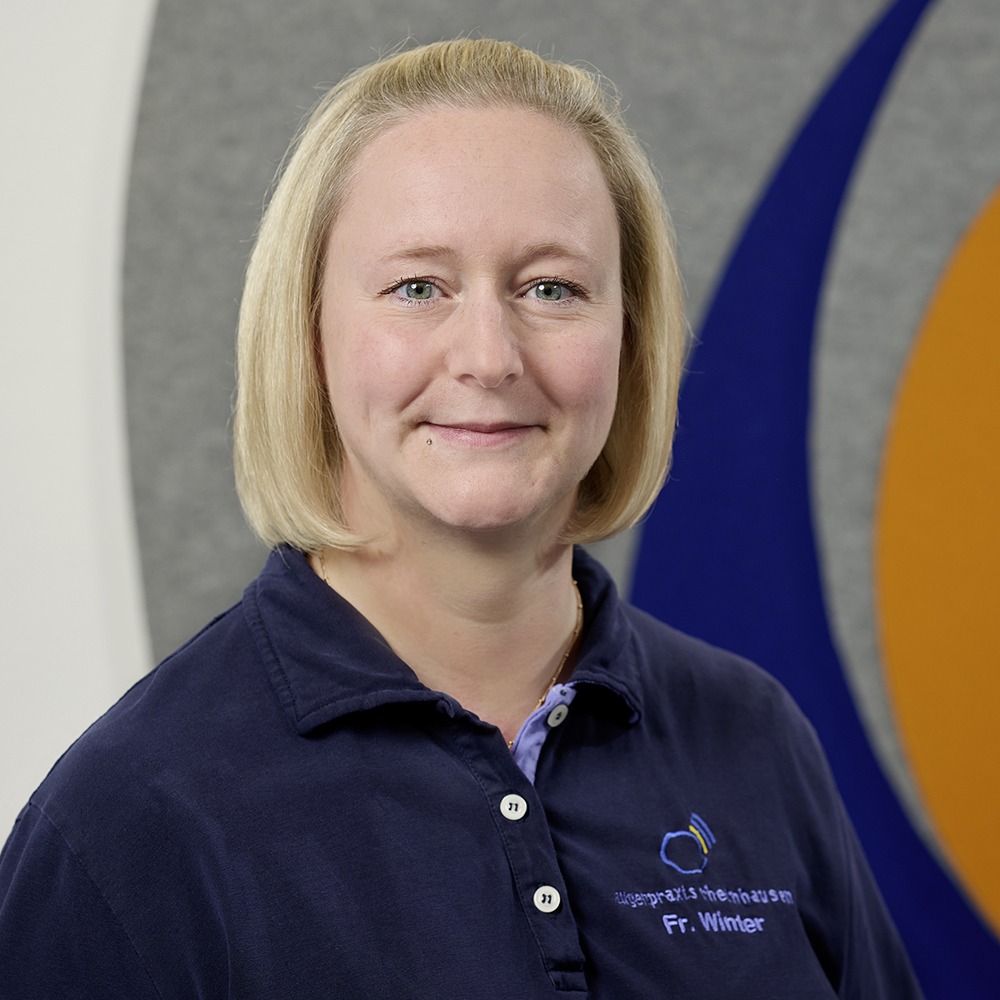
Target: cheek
(367, 372)
(592, 383)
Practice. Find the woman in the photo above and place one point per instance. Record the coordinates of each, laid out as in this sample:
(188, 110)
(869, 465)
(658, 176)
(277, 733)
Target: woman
(431, 754)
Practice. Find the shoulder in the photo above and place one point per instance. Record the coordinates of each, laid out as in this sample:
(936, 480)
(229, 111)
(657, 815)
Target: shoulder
(170, 724)
(730, 721)
(126, 813)
(693, 675)
(680, 684)
(59, 936)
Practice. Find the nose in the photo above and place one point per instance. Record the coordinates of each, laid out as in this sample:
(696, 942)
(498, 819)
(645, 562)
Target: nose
(484, 344)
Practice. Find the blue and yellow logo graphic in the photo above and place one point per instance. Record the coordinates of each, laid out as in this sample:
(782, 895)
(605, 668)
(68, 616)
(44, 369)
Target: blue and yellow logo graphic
(686, 851)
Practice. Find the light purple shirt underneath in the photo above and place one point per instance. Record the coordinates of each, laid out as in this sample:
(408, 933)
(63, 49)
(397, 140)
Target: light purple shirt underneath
(531, 736)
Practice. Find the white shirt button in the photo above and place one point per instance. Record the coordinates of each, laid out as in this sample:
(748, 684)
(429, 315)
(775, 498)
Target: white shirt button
(557, 716)
(547, 898)
(513, 807)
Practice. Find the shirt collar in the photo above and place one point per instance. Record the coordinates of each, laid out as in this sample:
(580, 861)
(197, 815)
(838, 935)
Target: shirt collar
(326, 660)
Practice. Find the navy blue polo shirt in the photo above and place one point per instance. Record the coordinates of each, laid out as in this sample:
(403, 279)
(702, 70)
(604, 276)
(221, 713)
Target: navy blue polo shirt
(281, 809)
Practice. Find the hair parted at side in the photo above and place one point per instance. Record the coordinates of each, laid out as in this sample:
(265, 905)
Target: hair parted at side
(287, 451)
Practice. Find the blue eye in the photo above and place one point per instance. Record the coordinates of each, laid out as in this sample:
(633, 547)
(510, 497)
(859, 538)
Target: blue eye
(555, 291)
(550, 291)
(417, 289)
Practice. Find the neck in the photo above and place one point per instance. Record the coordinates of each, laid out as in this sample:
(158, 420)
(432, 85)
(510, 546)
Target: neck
(488, 624)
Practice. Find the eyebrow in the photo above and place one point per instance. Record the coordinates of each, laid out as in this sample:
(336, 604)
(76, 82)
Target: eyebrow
(417, 253)
(537, 250)
(529, 254)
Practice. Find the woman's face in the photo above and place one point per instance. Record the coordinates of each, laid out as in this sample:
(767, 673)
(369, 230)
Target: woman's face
(471, 322)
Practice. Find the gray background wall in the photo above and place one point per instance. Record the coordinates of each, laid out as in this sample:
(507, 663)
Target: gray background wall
(713, 87)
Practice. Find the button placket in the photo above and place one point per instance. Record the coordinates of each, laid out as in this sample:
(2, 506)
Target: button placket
(527, 842)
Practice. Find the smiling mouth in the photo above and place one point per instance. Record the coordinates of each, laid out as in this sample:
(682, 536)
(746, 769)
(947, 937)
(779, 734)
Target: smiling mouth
(478, 434)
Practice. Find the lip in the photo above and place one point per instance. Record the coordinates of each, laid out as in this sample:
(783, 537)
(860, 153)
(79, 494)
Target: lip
(478, 435)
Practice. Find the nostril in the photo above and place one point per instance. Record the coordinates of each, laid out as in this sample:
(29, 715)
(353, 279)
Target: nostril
(488, 382)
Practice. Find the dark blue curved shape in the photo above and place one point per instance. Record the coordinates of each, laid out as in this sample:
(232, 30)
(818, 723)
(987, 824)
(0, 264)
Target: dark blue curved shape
(729, 551)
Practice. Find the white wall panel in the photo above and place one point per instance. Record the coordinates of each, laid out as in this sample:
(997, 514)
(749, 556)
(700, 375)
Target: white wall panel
(72, 628)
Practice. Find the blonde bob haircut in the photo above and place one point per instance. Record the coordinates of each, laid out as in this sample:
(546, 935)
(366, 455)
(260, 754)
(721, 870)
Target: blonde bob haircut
(287, 452)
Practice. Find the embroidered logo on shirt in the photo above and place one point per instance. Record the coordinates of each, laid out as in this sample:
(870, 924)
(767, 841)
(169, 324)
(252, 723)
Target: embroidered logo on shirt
(686, 851)
(739, 910)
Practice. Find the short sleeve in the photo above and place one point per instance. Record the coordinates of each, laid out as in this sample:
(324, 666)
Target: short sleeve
(848, 922)
(58, 936)
(876, 963)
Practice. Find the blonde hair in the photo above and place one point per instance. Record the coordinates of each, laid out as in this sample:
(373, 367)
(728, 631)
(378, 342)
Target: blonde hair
(287, 451)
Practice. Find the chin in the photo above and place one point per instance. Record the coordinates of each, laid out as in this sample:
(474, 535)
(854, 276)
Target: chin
(485, 522)
(497, 517)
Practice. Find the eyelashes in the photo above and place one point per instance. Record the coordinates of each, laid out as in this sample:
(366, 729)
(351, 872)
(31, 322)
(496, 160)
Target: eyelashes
(421, 288)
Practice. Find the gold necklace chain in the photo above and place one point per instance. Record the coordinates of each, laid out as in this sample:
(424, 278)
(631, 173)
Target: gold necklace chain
(565, 656)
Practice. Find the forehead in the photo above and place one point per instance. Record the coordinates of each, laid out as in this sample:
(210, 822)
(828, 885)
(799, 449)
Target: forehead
(466, 166)
(465, 134)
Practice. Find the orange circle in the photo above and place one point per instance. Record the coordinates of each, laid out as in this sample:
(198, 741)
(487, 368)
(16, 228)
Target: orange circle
(937, 560)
